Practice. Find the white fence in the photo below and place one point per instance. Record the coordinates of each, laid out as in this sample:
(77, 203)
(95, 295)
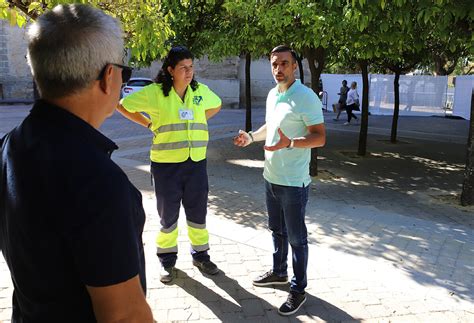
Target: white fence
(462, 96)
(420, 95)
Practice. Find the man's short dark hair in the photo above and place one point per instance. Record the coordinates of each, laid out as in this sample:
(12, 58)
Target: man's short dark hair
(283, 49)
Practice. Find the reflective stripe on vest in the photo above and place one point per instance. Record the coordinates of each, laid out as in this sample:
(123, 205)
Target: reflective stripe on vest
(176, 140)
(167, 239)
(180, 145)
(198, 235)
(181, 127)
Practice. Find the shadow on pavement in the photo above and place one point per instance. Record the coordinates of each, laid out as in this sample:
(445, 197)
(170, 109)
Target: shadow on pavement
(317, 308)
(244, 304)
(376, 207)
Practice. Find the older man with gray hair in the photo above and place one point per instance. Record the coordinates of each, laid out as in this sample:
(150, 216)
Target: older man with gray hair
(70, 220)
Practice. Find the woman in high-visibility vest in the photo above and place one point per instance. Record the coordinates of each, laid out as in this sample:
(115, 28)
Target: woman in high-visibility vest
(178, 108)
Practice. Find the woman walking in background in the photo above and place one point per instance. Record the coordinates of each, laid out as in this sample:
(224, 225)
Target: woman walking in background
(352, 103)
(341, 104)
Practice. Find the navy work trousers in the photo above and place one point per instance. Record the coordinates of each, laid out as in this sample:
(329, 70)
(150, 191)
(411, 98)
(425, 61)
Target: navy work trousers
(177, 183)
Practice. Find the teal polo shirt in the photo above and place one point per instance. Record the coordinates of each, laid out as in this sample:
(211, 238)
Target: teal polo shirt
(292, 111)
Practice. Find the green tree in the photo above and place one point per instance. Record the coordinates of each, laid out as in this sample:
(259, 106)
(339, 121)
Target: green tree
(310, 27)
(401, 65)
(451, 37)
(145, 26)
(240, 33)
(402, 47)
(191, 22)
(426, 32)
(361, 44)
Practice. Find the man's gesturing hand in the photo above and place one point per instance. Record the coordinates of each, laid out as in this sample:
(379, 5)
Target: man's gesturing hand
(243, 139)
(284, 142)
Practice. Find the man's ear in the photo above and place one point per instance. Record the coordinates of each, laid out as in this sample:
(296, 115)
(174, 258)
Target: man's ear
(170, 70)
(107, 80)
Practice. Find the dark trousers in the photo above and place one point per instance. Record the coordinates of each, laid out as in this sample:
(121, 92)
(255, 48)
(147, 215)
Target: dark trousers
(286, 207)
(177, 183)
(350, 115)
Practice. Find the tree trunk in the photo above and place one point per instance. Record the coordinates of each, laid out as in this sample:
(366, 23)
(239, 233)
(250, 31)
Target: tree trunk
(315, 57)
(313, 165)
(248, 93)
(467, 195)
(443, 66)
(364, 123)
(396, 107)
(300, 67)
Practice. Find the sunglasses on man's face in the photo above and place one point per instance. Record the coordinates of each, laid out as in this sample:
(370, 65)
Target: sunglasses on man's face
(126, 72)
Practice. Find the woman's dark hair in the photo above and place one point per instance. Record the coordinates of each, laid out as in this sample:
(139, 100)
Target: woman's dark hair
(175, 55)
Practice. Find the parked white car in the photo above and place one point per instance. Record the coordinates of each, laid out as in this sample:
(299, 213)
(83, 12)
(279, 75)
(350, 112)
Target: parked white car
(134, 84)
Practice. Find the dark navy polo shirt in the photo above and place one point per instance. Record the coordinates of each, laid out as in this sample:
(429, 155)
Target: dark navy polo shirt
(69, 217)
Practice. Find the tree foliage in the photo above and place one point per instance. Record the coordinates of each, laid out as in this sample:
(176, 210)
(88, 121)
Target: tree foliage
(145, 25)
(194, 23)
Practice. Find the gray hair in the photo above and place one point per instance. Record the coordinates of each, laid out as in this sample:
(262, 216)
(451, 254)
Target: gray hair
(68, 47)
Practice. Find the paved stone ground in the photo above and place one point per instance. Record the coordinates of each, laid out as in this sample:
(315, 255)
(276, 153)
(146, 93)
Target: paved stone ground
(388, 243)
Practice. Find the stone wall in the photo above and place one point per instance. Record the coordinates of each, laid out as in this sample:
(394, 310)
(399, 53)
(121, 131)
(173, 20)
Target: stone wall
(15, 75)
(3, 58)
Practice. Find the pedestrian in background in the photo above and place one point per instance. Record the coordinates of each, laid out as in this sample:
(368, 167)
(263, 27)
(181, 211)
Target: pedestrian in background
(341, 104)
(352, 103)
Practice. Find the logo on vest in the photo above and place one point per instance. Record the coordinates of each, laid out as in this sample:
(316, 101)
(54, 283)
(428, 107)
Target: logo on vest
(197, 99)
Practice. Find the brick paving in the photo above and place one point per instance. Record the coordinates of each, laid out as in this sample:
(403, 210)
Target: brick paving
(387, 243)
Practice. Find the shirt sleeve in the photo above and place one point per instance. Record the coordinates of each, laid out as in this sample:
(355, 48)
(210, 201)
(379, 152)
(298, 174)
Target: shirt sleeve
(105, 243)
(138, 101)
(210, 99)
(312, 110)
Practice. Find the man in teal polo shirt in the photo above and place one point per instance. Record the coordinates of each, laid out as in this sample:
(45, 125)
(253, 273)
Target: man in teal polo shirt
(294, 124)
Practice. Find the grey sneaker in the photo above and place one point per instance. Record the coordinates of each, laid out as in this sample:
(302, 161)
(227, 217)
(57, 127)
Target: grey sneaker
(207, 267)
(293, 303)
(269, 278)
(166, 274)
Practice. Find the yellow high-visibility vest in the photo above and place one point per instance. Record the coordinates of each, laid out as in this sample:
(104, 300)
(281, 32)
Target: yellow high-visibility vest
(179, 127)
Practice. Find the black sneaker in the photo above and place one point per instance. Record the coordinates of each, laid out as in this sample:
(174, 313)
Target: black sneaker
(292, 304)
(207, 267)
(269, 278)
